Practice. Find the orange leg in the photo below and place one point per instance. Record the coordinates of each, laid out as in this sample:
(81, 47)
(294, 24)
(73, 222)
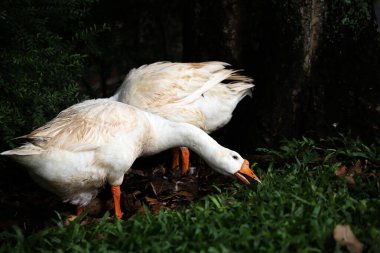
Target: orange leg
(185, 154)
(175, 163)
(116, 200)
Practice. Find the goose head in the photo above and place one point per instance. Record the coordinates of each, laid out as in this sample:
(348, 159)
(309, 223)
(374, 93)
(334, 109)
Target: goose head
(229, 162)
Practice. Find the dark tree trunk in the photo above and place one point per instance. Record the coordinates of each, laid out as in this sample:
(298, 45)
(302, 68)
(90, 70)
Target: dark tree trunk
(289, 48)
(212, 31)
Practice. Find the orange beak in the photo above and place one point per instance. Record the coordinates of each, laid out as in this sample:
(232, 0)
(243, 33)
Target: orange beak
(246, 171)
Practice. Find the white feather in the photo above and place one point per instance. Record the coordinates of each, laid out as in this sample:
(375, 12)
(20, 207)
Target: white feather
(203, 94)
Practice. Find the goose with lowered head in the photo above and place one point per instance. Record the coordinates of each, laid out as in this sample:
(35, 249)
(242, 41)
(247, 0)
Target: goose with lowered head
(96, 142)
(203, 94)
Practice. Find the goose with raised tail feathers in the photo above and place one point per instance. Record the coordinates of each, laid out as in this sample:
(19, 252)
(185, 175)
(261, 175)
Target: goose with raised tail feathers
(96, 142)
(203, 94)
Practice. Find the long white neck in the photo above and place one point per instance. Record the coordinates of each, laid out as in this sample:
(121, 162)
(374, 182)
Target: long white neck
(168, 134)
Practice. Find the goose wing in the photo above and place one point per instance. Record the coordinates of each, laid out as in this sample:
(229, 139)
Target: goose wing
(85, 126)
(165, 84)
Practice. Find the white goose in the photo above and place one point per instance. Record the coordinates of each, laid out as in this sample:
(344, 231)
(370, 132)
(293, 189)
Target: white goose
(97, 141)
(203, 94)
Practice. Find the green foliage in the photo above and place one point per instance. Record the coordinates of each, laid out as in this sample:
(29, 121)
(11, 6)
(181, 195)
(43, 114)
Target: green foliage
(290, 151)
(350, 148)
(295, 209)
(40, 61)
(306, 150)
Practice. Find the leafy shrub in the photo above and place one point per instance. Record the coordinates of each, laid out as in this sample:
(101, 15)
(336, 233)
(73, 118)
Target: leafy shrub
(40, 63)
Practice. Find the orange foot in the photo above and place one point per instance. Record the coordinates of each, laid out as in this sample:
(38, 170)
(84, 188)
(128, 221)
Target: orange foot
(185, 157)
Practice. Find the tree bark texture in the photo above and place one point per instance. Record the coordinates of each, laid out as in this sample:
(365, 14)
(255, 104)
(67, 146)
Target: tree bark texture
(312, 70)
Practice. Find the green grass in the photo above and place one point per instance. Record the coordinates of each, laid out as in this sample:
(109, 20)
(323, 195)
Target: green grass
(295, 209)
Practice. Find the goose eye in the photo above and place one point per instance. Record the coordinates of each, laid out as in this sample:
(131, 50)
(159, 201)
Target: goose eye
(235, 157)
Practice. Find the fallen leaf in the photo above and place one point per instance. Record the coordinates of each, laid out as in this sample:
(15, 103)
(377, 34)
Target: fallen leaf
(152, 201)
(348, 174)
(358, 167)
(69, 219)
(159, 171)
(156, 208)
(129, 202)
(350, 180)
(157, 187)
(344, 236)
(138, 172)
(95, 208)
(154, 204)
(341, 171)
(100, 237)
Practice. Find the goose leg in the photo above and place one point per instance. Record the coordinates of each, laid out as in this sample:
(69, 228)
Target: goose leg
(185, 154)
(185, 158)
(116, 198)
(175, 162)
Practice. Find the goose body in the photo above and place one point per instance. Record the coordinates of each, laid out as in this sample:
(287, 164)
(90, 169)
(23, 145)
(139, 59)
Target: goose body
(203, 94)
(96, 142)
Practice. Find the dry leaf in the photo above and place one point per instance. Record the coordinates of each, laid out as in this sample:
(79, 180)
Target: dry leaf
(341, 171)
(138, 172)
(358, 167)
(100, 237)
(154, 204)
(69, 219)
(344, 236)
(159, 171)
(95, 207)
(152, 201)
(156, 208)
(129, 202)
(350, 180)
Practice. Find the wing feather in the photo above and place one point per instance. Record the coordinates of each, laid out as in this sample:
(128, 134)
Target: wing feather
(164, 84)
(181, 91)
(84, 126)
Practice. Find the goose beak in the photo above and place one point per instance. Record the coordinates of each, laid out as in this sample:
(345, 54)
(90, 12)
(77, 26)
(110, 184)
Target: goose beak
(246, 171)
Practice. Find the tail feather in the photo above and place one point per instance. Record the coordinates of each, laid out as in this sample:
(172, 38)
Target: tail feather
(244, 89)
(235, 76)
(27, 149)
(217, 78)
